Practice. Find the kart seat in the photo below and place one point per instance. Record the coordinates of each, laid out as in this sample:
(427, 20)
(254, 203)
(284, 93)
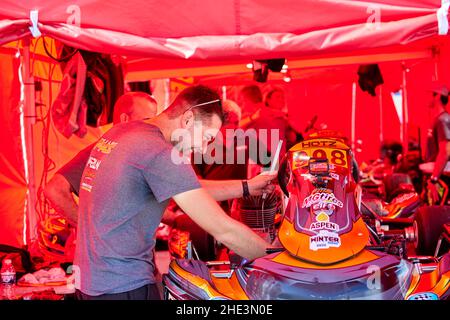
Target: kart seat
(373, 205)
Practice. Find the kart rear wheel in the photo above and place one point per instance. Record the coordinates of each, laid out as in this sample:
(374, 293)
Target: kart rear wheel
(428, 226)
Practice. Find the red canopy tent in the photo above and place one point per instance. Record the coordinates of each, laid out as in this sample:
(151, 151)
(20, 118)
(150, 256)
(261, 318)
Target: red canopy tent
(226, 29)
(162, 39)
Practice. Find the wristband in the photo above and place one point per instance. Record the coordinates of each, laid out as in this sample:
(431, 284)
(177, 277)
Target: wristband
(246, 192)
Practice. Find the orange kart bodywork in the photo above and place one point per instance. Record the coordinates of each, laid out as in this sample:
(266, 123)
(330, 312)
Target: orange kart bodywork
(325, 247)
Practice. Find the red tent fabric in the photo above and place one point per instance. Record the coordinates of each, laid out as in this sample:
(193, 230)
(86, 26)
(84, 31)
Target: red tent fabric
(228, 29)
(13, 186)
(208, 31)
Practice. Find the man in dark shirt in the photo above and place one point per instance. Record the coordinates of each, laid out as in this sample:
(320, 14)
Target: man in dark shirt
(438, 143)
(130, 176)
(225, 169)
(66, 181)
(260, 116)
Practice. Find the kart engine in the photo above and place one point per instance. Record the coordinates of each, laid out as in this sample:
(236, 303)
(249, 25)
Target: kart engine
(260, 214)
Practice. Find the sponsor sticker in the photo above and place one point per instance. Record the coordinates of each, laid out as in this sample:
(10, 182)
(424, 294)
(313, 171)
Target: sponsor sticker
(323, 204)
(319, 143)
(300, 159)
(93, 163)
(86, 186)
(105, 146)
(321, 196)
(334, 175)
(324, 226)
(324, 240)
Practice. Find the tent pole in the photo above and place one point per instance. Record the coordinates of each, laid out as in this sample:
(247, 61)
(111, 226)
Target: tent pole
(405, 110)
(436, 72)
(353, 116)
(29, 117)
(224, 92)
(166, 93)
(381, 115)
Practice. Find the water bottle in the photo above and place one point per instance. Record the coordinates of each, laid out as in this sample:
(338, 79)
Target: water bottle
(8, 273)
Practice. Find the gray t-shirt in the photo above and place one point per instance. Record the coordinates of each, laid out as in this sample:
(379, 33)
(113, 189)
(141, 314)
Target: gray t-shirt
(72, 171)
(126, 185)
(440, 132)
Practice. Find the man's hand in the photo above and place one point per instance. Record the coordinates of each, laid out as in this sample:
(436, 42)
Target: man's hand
(256, 115)
(222, 190)
(432, 191)
(250, 118)
(260, 184)
(58, 192)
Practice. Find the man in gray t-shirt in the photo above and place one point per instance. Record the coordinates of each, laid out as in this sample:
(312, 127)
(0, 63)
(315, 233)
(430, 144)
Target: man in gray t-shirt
(124, 190)
(66, 181)
(131, 174)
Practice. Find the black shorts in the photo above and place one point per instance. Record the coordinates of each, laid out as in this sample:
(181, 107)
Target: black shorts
(147, 292)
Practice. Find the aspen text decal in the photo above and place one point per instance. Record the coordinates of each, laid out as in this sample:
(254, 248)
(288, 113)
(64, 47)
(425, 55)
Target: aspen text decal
(323, 204)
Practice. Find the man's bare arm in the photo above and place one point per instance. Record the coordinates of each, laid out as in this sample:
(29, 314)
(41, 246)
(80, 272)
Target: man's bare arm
(205, 211)
(222, 190)
(58, 192)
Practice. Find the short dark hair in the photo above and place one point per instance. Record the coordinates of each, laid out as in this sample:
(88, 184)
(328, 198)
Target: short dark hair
(253, 92)
(271, 92)
(194, 95)
(391, 150)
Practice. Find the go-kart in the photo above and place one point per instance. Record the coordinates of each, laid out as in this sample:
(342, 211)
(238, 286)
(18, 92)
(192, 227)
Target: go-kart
(326, 250)
(391, 204)
(387, 194)
(388, 202)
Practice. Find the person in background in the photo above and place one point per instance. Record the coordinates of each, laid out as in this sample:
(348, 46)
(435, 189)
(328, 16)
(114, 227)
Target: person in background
(390, 154)
(232, 114)
(250, 99)
(260, 117)
(224, 170)
(438, 141)
(135, 170)
(276, 101)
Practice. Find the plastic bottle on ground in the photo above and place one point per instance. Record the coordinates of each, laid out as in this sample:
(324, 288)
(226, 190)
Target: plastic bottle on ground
(8, 273)
(8, 279)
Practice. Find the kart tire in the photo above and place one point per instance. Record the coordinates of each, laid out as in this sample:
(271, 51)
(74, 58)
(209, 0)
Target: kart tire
(203, 242)
(428, 225)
